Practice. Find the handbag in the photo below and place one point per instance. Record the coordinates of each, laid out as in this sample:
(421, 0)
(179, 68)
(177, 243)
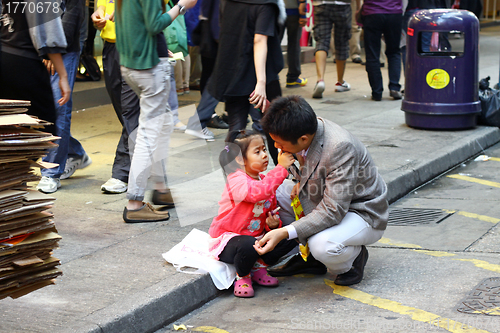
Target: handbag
(193, 252)
(92, 70)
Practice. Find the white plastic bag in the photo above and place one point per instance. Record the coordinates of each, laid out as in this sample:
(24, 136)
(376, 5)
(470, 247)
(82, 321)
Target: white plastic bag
(192, 251)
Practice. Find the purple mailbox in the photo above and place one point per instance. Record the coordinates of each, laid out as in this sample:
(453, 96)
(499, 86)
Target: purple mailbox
(441, 89)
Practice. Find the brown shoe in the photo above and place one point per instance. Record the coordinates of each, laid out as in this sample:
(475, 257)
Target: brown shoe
(144, 214)
(163, 199)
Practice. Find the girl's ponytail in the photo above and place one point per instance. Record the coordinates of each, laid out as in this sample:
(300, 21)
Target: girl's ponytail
(227, 158)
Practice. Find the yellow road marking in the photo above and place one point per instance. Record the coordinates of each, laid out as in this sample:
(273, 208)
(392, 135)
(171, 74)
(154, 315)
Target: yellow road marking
(491, 312)
(474, 216)
(436, 253)
(209, 329)
(388, 241)
(483, 264)
(479, 217)
(495, 159)
(478, 263)
(475, 180)
(413, 313)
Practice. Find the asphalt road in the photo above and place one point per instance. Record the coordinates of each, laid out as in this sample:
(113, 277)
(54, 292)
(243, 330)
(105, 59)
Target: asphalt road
(417, 276)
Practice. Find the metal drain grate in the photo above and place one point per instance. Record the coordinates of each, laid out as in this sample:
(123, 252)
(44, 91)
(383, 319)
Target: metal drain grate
(483, 299)
(416, 216)
(331, 101)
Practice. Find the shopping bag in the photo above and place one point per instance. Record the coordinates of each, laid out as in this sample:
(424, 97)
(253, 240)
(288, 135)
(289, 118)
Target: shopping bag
(193, 252)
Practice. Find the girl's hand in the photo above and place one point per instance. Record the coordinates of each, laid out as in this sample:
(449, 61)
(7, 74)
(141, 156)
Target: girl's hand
(65, 90)
(273, 221)
(170, 54)
(258, 97)
(295, 191)
(285, 159)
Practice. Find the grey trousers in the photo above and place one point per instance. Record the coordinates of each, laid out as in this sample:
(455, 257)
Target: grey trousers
(337, 247)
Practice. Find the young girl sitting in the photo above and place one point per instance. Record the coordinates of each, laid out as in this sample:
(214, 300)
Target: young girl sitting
(247, 210)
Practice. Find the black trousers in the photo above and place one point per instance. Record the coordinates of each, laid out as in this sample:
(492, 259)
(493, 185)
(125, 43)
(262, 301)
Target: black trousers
(238, 108)
(28, 79)
(240, 252)
(126, 105)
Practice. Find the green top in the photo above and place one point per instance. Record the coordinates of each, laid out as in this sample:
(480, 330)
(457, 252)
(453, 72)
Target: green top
(137, 24)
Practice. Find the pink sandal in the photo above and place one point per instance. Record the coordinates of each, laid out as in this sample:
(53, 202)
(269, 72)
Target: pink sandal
(264, 279)
(243, 288)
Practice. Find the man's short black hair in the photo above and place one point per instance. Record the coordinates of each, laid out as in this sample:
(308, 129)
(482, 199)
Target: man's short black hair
(289, 118)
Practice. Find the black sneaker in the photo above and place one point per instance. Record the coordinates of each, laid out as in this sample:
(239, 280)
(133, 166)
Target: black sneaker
(217, 122)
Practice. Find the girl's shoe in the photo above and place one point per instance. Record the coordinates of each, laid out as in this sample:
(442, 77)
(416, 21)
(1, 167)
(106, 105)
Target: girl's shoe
(264, 279)
(243, 288)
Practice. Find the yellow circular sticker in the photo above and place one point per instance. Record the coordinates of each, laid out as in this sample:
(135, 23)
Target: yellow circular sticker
(437, 78)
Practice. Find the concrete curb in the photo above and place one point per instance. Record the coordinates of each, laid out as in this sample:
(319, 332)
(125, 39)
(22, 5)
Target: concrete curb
(402, 184)
(150, 310)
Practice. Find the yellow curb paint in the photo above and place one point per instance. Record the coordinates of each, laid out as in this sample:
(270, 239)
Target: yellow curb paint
(473, 216)
(491, 312)
(413, 313)
(209, 329)
(475, 180)
(483, 264)
(494, 159)
(480, 217)
(388, 241)
(435, 253)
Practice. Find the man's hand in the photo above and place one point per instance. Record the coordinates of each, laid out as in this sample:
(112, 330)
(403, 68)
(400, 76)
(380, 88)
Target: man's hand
(270, 240)
(50, 67)
(302, 8)
(98, 18)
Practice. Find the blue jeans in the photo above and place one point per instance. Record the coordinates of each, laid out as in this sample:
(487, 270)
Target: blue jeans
(67, 144)
(374, 27)
(203, 113)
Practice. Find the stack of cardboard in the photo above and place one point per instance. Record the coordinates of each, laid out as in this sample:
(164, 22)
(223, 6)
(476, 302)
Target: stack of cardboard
(27, 232)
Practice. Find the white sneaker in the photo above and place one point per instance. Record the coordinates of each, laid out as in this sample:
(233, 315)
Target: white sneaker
(180, 126)
(114, 185)
(48, 185)
(205, 133)
(74, 163)
(318, 89)
(339, 87)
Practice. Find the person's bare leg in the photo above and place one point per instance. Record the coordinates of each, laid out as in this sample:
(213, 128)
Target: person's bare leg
(320, 58)
(340, 70)
(341, 84)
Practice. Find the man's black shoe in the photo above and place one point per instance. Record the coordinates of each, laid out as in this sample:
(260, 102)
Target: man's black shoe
(297, 265)
(217, 122)
(355, 274)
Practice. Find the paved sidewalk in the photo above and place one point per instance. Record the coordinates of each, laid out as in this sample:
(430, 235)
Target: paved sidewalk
(115, 279)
